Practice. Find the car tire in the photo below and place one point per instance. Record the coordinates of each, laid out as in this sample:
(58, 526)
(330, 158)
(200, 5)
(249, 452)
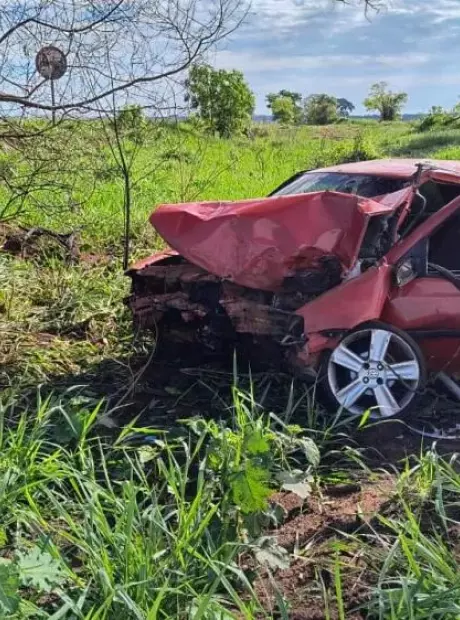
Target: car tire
(375, 370)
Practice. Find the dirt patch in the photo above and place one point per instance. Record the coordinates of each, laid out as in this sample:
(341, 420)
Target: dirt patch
(321, 516)
(315, 533)
(290, 503)
(308, 589)
(391, 442)
(34, 242)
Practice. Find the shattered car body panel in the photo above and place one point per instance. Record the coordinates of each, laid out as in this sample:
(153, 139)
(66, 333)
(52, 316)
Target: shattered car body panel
(258, 243)
(292, 273)
(212, 311)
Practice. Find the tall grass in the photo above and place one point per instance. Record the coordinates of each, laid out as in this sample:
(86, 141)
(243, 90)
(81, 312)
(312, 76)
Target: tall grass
(116, 530)
(177, 164)
(419, 576)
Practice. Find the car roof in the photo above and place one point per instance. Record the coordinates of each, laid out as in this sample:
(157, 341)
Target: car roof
(395, 168)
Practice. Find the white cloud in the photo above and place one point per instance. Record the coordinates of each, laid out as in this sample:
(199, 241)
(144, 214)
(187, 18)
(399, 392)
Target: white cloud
(280, 16)
(334, 17)
(257, 62)
(439, 10)
(332, 46)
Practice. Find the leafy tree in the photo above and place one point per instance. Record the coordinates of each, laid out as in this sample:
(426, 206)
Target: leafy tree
(386, 102)
(320, 109)
(222, 98)
(344, 107)
(296, 97)
(284, 110)
(131, 120)
(279, 110)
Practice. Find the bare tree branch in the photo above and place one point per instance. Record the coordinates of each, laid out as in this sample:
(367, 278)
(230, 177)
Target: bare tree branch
(145, 41)
(117, 51)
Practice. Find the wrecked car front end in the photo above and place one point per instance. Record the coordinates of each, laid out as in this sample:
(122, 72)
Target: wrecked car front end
(274, 276)
(191, 306)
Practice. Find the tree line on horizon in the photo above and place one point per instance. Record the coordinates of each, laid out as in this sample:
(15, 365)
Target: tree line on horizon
(223, 100)
(289, 107)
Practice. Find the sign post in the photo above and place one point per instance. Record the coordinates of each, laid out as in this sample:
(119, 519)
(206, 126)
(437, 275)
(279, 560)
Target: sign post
(51, 63)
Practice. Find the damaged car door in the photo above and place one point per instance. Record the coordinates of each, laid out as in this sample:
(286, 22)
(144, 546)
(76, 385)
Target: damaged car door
(427, 306)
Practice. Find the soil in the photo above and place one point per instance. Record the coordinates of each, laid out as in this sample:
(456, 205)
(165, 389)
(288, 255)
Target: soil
(14, 241)
(318, 538)
(382, 444)
(38, 243)
(94, 259)
(167, 391)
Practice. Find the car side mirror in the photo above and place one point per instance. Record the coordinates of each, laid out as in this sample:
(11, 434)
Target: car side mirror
(405, 272)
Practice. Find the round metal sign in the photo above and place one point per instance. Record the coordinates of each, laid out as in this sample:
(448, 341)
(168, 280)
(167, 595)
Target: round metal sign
(51, 62)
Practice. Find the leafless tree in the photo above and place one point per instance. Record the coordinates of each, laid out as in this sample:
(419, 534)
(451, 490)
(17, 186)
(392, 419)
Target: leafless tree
(116, 51)
(145, 42)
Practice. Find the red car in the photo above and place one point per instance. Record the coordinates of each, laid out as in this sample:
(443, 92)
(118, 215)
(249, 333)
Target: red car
(349, 273)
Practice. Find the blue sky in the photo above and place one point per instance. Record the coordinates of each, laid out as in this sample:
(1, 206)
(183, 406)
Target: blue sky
(314, 46)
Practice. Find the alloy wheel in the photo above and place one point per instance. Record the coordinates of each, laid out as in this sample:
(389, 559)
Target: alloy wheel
(374, 369)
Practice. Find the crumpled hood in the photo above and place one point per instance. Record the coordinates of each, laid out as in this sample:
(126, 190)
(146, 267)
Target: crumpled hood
(257, 243)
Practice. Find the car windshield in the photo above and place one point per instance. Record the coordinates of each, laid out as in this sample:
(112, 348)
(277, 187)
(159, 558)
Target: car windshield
(363, 185)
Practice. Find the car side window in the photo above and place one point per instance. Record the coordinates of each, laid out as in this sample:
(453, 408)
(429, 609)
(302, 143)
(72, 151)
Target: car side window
(444, 244)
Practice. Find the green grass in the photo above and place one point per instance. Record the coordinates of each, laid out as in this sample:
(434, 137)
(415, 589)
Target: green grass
(95, 523)
(436, 144)
(419, 576)
(174, 165)
(99, 529)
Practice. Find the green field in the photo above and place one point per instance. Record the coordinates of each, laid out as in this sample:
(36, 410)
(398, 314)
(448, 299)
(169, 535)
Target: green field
(96, 523)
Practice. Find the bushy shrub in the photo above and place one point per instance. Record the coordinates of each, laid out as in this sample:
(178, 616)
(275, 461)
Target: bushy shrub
(259, 131)
(320, 109)
(438, 118)
(132, 122)
(221, 98)
(363, 149)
